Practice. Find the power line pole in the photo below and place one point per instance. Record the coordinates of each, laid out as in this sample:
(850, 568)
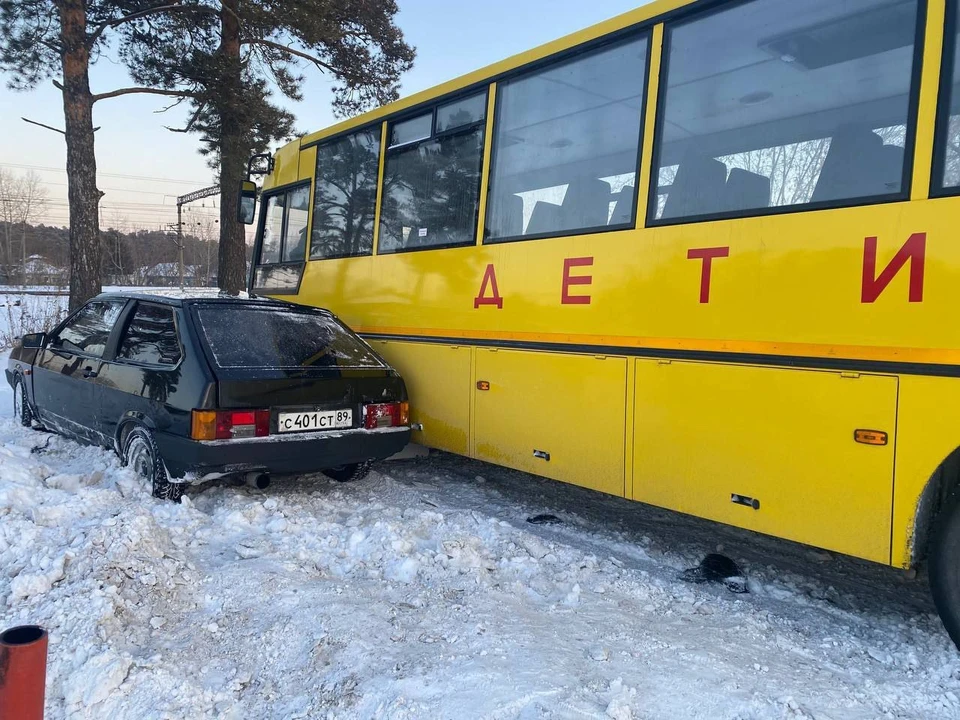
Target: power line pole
(181, 201)
(180, 238)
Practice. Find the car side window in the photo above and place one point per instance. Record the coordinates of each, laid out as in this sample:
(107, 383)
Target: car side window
(151, 337)
(87, 332)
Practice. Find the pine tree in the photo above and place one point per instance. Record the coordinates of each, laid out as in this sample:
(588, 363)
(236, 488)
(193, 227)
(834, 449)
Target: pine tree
(227, 62)
(59, 40)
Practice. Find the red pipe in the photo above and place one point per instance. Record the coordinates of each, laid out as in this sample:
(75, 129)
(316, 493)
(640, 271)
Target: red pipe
(23, 672)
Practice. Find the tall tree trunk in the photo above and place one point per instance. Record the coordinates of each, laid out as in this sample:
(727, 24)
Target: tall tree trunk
(84, 196)
(23, 252)
(231, 273)
(8, 248)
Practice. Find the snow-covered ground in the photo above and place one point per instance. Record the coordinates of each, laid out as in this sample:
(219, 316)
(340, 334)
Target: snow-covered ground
(422, 592)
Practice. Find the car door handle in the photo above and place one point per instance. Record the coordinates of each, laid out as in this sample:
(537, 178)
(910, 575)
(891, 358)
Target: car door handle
(89, 373)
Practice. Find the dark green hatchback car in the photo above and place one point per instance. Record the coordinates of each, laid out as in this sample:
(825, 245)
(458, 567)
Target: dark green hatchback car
(186, 389)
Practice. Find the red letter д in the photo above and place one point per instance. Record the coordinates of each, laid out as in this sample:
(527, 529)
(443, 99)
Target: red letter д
(914, 251)
(489, 281)
(565, 297)
(706, 255)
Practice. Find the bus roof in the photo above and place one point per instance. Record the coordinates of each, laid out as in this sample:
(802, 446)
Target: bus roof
(487, 74)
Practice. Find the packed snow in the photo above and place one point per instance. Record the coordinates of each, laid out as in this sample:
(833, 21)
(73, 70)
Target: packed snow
(423, 592)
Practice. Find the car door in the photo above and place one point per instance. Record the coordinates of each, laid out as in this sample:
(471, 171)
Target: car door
(64, 385)
(141, 376)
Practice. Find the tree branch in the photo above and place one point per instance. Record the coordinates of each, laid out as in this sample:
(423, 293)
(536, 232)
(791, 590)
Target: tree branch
(48, 127)
(175, 6)
(143, 91)
(292, 51)
(172, 105)
(48, 45)
(190, 123)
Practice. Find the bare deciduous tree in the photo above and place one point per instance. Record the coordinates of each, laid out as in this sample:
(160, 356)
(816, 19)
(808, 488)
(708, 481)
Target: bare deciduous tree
(23, 200)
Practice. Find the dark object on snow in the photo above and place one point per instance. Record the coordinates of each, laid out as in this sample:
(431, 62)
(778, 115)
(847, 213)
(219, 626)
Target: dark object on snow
(544, 520)
(717, 568)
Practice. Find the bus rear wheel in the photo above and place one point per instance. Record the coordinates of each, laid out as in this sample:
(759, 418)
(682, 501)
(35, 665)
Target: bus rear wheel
(945, 566)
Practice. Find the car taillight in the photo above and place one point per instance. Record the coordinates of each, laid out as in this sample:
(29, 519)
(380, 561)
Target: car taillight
(229, 424)
(386, 415)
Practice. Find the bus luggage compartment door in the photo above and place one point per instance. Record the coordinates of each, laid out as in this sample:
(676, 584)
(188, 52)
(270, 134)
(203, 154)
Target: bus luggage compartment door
(770, 449)
(556, 415)
(438, 384)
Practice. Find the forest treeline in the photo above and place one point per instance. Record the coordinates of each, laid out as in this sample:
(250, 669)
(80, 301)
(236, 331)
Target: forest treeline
(141, 258)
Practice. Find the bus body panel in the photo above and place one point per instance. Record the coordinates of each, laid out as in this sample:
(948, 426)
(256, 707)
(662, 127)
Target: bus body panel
(928, 430)
(286, 169)
(441, 378)
(557, 415)
(769, 449)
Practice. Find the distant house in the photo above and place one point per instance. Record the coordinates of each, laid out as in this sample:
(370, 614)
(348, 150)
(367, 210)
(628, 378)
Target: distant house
(39, 271)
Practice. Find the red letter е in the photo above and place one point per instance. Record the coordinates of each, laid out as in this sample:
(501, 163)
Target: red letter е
(565, 297)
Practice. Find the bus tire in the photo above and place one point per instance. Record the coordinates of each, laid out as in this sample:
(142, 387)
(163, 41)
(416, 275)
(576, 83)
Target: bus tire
(945, 566)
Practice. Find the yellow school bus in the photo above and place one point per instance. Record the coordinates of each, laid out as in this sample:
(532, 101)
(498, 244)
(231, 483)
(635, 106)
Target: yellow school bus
(704, 255)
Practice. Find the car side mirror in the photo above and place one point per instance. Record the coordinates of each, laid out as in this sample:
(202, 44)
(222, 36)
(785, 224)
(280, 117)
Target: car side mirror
(247, 207)
(33, 340)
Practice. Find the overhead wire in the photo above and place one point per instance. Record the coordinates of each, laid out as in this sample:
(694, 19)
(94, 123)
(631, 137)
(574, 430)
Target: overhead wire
(21, 166)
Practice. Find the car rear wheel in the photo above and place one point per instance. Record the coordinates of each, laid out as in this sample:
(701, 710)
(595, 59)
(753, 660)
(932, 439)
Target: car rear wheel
(141, 454)
(350, 472)
(21, 408)
(945, 566)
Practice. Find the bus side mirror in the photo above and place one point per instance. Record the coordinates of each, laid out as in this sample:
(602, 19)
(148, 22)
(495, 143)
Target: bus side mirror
(247, 208)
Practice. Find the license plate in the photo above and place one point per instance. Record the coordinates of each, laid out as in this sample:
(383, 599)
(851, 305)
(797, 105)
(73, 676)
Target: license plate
(316, 420)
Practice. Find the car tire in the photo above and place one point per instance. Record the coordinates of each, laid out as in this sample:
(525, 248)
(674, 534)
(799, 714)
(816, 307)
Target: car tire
(21, 408)
(351, 472)
(945, 566)
(141, 454)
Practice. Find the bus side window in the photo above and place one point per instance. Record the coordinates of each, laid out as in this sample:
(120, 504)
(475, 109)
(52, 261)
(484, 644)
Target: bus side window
(345, 196)
(295, 234)
(431, 183)
(947, 156)
(272, 230)
(566, 144)
(279, 264)
(769, 107)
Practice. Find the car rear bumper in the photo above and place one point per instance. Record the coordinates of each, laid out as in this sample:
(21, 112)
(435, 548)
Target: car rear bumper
(282, 454)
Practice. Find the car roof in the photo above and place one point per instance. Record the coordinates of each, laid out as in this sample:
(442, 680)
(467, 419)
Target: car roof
(183, 298)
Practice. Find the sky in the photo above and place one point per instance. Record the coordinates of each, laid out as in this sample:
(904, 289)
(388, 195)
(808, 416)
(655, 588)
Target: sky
(142, 166)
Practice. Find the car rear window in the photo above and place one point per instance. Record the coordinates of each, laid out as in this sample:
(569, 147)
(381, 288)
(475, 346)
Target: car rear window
(242, 336)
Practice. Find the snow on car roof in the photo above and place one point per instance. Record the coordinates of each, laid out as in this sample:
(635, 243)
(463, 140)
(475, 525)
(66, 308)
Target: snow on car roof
(177, 296)
(171, 293)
